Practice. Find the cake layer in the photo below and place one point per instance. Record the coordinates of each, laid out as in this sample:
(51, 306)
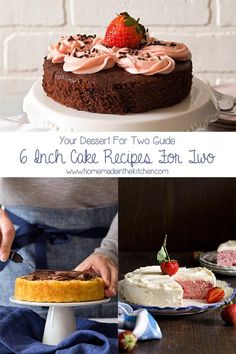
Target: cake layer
(195, 282)
(226, 258)
(116, 91)
(59, 286)
(226, 254)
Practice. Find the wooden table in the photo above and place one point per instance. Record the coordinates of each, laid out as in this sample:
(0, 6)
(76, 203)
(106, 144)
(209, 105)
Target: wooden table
(203, 333)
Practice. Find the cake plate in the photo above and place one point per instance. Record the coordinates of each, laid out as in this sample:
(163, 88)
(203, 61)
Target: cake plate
(60, 321)
(196, 111)
(209, 260)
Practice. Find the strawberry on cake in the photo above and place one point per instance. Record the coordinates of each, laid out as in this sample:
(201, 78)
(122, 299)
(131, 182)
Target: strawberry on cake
(148, 286)
(226, 254)
(127, 71)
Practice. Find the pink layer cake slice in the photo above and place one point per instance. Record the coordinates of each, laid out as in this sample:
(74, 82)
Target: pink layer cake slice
(226, 254)
(195, 282)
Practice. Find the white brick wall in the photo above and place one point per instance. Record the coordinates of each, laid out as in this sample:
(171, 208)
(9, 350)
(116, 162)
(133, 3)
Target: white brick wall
(23, 51)
(28, 26)
(226, 13)
(32, 12)
(152, 12)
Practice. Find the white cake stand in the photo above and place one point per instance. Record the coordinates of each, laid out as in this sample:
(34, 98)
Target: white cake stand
(196, 111)
(60, 321)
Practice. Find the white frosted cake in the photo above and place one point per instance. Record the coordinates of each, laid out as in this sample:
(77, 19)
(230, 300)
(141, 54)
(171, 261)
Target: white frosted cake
(226, 254)
(148, 286)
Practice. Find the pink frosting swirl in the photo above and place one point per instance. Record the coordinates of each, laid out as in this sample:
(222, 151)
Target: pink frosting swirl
(139, 62)
(90, 61)
(84, 54)
(66, 45)
(177, 51)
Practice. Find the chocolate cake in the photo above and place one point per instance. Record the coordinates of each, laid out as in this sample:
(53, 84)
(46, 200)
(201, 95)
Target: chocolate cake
(59, 286)
(127, 71)
(115, 90)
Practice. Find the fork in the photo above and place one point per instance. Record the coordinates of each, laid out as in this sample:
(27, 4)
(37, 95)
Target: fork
(230, 113)
(220, 95)
(225, 102)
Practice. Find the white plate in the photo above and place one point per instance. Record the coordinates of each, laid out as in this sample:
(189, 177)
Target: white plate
(190, 306)
(209, 260)
(59, 304)
(196, 111)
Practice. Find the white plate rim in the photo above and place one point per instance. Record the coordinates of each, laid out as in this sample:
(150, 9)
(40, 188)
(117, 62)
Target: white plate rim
(59, 304)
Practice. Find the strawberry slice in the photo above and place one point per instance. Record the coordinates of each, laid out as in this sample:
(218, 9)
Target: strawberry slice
(168, 266)
(215, 294)
(228, 314)
(127, 341)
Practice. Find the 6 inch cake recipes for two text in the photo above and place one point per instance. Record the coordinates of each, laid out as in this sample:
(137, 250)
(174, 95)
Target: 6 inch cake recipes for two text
(110, 157)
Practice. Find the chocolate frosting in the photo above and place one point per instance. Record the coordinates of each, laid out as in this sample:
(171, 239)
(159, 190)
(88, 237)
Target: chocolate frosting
(60, 275)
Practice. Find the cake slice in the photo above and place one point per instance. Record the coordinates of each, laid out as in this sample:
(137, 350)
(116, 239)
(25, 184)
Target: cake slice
(226, 254)
(195, 282)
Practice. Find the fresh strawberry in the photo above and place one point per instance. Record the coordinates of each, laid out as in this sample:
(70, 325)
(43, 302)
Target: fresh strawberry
(168, 266)
(124, 31)
(228, 314)
(215, 294)
(127, 341)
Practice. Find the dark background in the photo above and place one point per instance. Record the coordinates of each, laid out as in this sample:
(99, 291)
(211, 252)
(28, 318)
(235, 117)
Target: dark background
(196, 213)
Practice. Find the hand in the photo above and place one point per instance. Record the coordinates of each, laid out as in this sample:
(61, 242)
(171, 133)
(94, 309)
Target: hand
(7, 234)
(105, 266)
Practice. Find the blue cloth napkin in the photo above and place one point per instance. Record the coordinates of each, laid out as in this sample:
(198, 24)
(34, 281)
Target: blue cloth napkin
(21, 332)
(140, 322)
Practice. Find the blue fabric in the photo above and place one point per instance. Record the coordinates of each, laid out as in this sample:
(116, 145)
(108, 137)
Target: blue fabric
(21, 332)
(39, 234)
(141, 322)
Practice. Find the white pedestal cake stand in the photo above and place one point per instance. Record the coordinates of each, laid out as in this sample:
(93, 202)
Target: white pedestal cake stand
(196, 111)
(60, 321)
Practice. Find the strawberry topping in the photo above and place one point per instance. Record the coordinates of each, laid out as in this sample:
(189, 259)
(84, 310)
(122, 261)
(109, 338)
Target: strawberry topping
(124, 31)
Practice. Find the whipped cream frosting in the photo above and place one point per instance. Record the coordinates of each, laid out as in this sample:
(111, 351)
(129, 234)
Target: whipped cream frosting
(227, 246)
(147, 286)
(82, 54)
(90, 61)
(194, 274)
(68, 44)
(177, 51)
(144, 62)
